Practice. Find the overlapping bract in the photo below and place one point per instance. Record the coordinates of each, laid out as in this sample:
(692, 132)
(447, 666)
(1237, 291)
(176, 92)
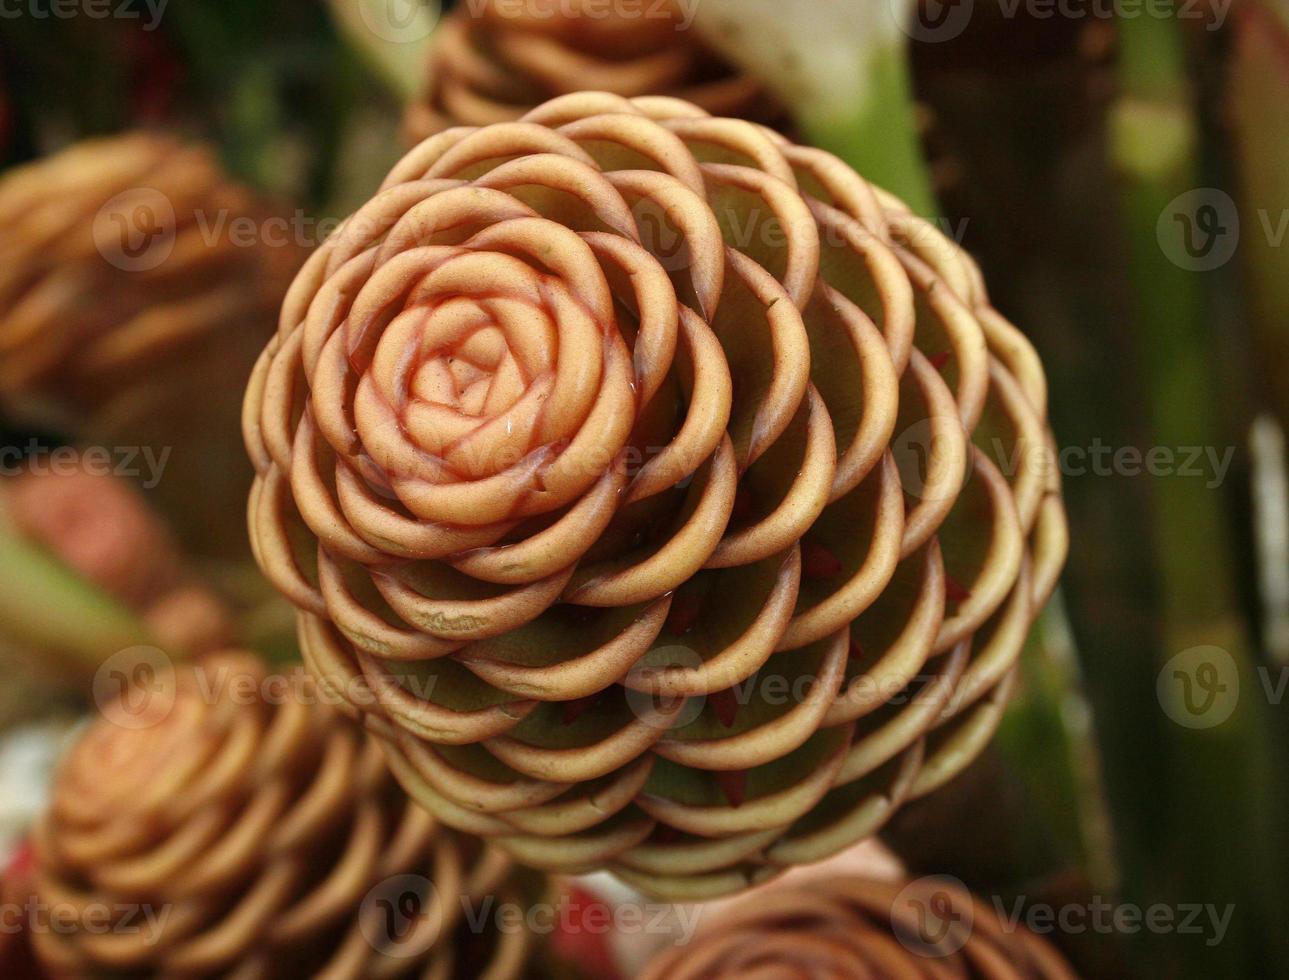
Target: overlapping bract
(851, 927)
(675, 497)
(493, 61)
(137, 285)
(251, 832)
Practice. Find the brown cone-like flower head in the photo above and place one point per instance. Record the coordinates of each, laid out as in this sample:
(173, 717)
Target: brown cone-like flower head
(137, 285)
(930, 929)
(494, 60)
(628, 456)
(248, 831)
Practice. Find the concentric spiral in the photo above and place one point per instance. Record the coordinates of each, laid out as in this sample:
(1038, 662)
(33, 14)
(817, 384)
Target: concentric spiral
(220, 822)
(862, 930)
(137, 285)
(493, 61)
(674, 497)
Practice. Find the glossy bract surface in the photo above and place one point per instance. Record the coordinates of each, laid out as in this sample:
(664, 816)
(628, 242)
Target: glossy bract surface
(929, 929)
(494, 61)
(248, 831)
(666, 497)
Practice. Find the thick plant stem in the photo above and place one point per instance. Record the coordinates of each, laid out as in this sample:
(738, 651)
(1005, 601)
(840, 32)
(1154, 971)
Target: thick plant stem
(878, 135)
(1211, 834)
(842, 70)
(1047, 738)
(44, 606)
(1258, 80)
(391, 35)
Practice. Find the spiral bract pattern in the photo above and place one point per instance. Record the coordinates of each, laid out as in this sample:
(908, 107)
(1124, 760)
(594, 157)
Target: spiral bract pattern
(219, 821)
(930, 929)
(495, 60)
(675, 496)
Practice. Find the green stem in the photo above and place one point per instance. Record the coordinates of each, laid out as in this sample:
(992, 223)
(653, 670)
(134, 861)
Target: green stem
(1047, 738)
(392, 36)
(878, 135)
(1210, 838)
(44, 606)
(1258, 80)
(841, 69)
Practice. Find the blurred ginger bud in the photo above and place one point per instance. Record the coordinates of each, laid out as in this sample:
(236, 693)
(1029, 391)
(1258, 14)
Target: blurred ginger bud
(246, 830)
(677, 494)
(137, 283)
(102, 528)
(852, 927)
(493, 61)
(16, 961)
